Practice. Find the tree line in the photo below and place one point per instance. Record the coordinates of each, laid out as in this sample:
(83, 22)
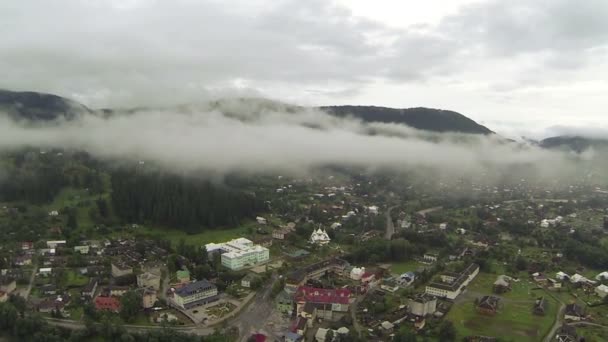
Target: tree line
(171, 200)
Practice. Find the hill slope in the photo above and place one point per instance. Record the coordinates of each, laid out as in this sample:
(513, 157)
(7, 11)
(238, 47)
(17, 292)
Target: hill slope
(573, 143)
(34, 106)
(429, 119)
(45, 107)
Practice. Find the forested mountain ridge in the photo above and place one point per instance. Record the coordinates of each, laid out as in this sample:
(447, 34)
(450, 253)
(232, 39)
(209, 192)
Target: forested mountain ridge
(428, 119)
(573, 143)
(34, 106)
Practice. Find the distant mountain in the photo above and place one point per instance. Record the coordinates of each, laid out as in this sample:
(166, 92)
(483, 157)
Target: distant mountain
(34, 106)
(573, 143)
(429, 119)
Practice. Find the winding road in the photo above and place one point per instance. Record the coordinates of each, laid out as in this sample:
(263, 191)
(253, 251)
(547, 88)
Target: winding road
(390, 226)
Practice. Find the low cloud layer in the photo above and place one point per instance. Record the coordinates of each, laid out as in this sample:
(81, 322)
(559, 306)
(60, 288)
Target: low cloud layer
(250, 137)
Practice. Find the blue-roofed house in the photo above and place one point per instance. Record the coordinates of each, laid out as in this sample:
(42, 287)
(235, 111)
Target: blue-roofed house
(293, 337)
(406, 279)
(194, 294)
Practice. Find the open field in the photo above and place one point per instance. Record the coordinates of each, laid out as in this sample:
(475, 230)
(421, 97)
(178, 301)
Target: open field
(513, 321)
(74, 279)
(406, 266)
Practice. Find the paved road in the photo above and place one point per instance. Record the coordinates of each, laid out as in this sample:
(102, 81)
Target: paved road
(253, 318)
(353, 313)
(390, 226)
(31, 283)
(75, 325)
(559, 321)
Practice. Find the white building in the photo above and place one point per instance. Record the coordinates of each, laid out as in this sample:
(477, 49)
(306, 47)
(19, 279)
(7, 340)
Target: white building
(195, 294)
(356, 273)
(55, 244)
(602, 276)
(373, 210)
(82, 249)
(239, 253)
(602, 290)
(261, 220)
(453, 284)
(319, 237)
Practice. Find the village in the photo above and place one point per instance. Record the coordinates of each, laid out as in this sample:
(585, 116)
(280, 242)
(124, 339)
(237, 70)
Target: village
(347, 263)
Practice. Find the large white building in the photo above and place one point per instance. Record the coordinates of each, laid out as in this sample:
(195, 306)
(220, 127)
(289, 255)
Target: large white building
(452, 284)
(194, 294)
(239, 253)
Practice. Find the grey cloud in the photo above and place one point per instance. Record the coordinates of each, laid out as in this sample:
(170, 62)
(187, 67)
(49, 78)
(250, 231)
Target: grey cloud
(262, 137)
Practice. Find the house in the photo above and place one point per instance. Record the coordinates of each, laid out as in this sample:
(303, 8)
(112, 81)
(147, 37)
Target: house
(89, 290)
(148, 298)
(265, 241)
(453, 284)
(300, 326)
(107, 304)
(23, 260)
(7, 284)
(239, 253)
(562, 276)
(285, 302)
(488, 305)
(115, 291)
(574, 312)
(422, 304)
(406, 279)
(502, 285)
(540, 306)
(48, 289)
(319, 237)
(27, 245)
(149, 279)
(368, 277)
(356, 273)
(540, 278)
(55, 244)
(443, 226)
(387, 327)
(247, 280)
(430, 258)
(195, 294)
(566, 333)
(601, 291)
(3, 296)
(121, 269)
(331, 304)
(602, 276)
(82, 249)
(52, 304)
(293, 337)
(261, 220)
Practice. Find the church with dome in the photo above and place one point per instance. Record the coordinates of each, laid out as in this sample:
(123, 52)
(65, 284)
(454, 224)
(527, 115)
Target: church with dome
(319, 237)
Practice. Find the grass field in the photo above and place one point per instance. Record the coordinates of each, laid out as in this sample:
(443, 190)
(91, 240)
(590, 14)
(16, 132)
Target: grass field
(406, 266)
(73, 279)
(514, 320)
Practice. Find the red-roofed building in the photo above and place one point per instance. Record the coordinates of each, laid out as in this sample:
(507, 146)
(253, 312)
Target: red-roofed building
(107, 304)
(330, 304)
(259, 337)
(368, 277)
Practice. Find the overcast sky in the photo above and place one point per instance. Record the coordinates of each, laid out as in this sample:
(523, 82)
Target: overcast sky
(521, 67)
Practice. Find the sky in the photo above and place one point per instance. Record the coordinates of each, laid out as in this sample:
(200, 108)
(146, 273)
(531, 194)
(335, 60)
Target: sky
(520, 67)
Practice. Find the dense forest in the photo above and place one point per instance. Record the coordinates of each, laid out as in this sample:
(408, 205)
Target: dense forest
(154, 197)
(421, 118)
